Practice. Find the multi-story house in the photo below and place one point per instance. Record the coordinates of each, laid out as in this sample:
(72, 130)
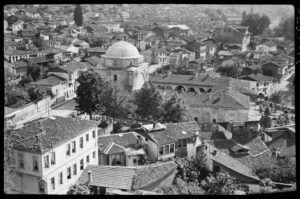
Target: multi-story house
(58, 86)
(15, 55)
(17, 26)
(266, 47)
(71, 72)
(262, 85)
(51, 153)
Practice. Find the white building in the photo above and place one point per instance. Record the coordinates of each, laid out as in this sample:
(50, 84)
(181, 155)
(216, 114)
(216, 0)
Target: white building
(51, 153)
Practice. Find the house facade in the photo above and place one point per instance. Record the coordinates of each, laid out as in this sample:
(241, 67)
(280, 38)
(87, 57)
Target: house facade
(56, 162)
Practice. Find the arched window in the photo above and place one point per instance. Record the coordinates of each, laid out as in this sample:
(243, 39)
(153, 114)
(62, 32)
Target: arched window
(115, 78)
(201, 90)
(191, 89)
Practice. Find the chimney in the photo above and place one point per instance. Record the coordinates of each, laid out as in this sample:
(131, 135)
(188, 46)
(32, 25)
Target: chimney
(90, 180)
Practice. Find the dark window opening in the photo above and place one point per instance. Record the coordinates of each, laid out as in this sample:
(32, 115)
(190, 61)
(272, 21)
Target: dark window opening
(69, 173)
(115, 78)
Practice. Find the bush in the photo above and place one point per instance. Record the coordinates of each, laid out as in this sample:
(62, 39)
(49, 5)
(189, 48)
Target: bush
(78, 189)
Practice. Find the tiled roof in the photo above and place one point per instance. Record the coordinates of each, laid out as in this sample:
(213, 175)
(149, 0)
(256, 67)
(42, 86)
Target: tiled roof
(260, 77)
(269, 44)
(231, 99)
(113, 148)
(160, 138)
(145, 177)
(52, 80)
(118, 177)
(181, 130)
(43, 134)
(94, 60)
(233, 164)
(14, 52)
(225, 53)
(200, 80)
(126, 140)
(96, 49)
(37, 60)
(285, 144)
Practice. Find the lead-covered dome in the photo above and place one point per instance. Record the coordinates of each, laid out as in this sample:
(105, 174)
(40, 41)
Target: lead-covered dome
(122, 49)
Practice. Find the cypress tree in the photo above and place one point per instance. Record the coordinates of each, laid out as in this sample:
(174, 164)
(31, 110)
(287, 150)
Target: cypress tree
(78, 15)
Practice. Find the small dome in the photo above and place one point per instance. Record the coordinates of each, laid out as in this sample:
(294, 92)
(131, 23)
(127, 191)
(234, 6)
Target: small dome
(122, 49)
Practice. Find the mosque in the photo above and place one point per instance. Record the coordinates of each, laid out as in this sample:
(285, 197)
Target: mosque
(123, 65)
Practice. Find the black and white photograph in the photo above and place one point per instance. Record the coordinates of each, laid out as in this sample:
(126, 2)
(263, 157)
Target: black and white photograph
(149, 99)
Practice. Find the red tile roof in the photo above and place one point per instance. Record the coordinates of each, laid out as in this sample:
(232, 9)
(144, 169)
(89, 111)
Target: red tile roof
(52, 80)
(41, 135)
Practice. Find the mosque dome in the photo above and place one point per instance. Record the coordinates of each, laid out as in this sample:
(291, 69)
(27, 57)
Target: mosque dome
(121, 50)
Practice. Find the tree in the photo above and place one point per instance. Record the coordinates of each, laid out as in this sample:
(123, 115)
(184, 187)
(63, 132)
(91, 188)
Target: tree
(90, 88)
(266, 121)
(148, 101)
(257, 24)
(286, 29)
(222, 184)
(26, 80)
(112, 99)
(34, 71)
(39, 43)
(174, 109)
(228, 71)
(36, 93)
(180, 187)
(78, 189)
(15, 96)
(78, 18)
(276, 97)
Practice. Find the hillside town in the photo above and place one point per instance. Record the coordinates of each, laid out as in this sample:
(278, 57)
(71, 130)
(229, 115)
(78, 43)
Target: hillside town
(127, 99)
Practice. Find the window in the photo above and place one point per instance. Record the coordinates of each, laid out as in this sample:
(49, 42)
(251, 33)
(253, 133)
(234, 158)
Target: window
(81, 164)
(134, 160)
(53, 183)
(172, 147)
(179, 143)
(167, 149)
(68, 150)
(87, 137)
(21, 160)
(69, 173)
(94, 134)
(46, 161)
(53, 158)
(146, 139)
(87, 159)
(257, 84)
(73, 146)
(13, 158)
(115, 78)
(184, 143)
(35, 164)
(61, 178)
(74, 169)
(161, 150)
(81, 142)
(94, 154)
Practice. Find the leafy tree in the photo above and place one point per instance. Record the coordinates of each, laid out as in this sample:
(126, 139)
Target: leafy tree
(36, 93)
(257, 24)
(78, 18)
(222, 184)
(267, 111)
(112, 99)
(90, 87)
(229, 71)
(277, 97)
(266, 121)
(12, 19)
(174, 109)
(78, 189)
(148, 101)
(286, 29)
(34, 71)
(39, 43)
(180, 187)
(15, 96)
(26, 80)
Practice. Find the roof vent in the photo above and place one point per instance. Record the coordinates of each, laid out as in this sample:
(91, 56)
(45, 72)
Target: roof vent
(183, 132)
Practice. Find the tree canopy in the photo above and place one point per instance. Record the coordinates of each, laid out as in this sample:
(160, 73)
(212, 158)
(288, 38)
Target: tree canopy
(148, 101)
(174, 109)
(97, 96)
(257, 24)
(78, 18)
(78, 189)
(286, 29)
